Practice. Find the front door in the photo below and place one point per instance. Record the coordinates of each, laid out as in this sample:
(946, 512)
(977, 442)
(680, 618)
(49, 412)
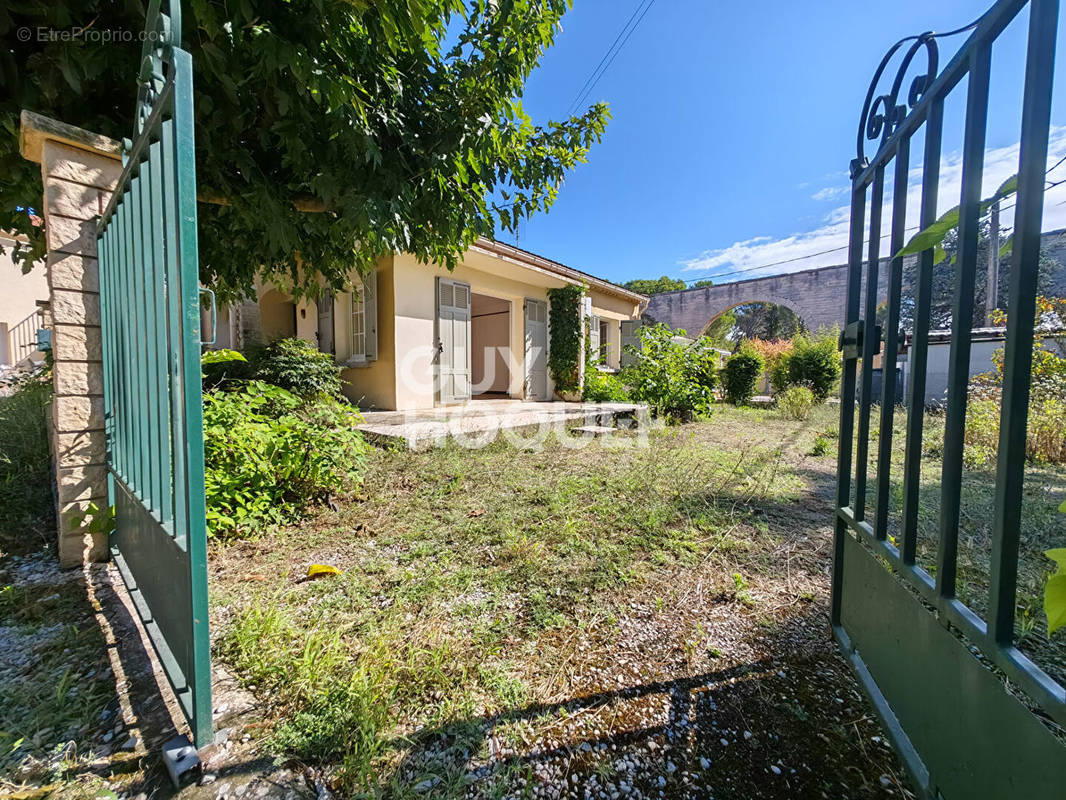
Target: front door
(453, 341)
(536, 350)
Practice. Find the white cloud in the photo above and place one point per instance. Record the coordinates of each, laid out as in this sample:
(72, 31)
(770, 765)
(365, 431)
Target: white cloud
(826, 244)
(829, 193)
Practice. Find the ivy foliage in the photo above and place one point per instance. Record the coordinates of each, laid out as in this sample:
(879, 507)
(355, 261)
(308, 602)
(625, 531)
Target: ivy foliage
(564, 327)
(399, 122)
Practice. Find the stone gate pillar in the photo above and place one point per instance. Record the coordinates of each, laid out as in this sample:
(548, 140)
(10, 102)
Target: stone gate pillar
(79, 171)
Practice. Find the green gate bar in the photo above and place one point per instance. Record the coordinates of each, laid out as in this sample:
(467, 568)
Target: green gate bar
(921, 653)
(150, 311)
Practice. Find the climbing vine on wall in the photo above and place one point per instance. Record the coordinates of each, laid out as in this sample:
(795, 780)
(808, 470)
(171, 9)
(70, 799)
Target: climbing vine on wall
(564, 324)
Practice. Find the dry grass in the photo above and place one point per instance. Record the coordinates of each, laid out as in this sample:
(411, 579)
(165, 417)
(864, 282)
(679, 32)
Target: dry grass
(487, 594)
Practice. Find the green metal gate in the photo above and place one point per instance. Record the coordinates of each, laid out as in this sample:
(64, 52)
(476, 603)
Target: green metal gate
(150, 312)
(972, 715)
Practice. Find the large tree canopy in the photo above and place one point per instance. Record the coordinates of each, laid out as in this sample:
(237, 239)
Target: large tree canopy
(328, 132)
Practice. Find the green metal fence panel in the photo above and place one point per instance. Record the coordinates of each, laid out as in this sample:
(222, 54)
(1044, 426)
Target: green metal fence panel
(150, 311)
(971, 714)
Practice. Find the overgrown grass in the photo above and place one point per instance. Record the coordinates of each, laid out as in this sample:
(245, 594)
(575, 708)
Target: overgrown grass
(470, 575)
(1042, 527)
(26, 513)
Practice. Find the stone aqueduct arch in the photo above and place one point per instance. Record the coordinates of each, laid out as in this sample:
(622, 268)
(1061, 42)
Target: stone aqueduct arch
(816, 295)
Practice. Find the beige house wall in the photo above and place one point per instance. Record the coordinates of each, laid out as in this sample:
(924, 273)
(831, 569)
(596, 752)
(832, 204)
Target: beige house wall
(613, 310)
(19, 298)
(415, 313)
(402, 376)
(373, 385)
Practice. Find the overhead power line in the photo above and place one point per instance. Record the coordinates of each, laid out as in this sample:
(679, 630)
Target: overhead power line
(779, 263)
(612, 52)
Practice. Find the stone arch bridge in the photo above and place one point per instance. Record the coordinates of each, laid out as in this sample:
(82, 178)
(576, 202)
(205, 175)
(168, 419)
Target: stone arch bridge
(817, 296)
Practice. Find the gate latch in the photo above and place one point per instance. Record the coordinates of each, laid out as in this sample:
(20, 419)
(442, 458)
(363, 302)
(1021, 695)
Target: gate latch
(852, 337)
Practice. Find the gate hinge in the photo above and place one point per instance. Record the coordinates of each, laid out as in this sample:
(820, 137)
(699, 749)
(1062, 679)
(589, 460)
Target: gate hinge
(852, 337)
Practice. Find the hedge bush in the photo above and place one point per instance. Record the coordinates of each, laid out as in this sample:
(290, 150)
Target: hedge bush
(25, 464)
(604, 387)
(741, 374)
(297, 366)
(815, 363)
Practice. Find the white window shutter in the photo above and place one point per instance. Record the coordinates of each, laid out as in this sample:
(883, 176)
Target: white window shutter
(594, 336)
(370, 306)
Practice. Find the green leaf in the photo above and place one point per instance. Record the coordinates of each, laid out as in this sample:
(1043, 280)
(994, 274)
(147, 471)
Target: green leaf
(1058, 555)
(221, 357)
(1062, 507)
(1055, 602)
(934, 234)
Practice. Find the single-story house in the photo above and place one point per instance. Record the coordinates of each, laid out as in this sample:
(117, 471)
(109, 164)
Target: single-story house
(415, 336)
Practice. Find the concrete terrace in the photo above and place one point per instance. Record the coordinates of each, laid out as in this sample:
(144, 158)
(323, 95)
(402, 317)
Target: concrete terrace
(478, 422)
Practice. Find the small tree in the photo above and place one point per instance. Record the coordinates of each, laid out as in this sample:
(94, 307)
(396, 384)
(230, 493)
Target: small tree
(674, 379)
(741, 374)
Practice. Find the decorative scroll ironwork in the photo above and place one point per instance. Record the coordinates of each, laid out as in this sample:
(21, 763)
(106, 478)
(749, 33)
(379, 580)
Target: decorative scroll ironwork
(162, 33)
(883, 113)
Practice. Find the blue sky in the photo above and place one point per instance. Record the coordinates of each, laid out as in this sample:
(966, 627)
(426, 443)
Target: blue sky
(733, 127)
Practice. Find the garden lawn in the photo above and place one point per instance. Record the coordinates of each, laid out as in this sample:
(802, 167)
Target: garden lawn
(628, 621)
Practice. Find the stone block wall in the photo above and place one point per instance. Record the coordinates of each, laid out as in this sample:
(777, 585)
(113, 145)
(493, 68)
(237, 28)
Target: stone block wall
(79, 171)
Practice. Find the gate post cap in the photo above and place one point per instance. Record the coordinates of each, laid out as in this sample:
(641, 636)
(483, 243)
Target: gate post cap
(36, 129)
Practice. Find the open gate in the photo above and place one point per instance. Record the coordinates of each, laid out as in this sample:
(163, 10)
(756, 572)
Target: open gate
(972, 715)
(150, 312)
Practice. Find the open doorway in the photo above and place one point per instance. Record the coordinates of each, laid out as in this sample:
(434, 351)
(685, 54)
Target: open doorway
(490, 343)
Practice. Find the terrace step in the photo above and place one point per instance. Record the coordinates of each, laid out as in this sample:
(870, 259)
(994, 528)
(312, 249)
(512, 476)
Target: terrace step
(595, 430)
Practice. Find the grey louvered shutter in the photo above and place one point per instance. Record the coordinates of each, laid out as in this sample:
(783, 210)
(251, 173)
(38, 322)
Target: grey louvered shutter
(629, 339)
(370, 309)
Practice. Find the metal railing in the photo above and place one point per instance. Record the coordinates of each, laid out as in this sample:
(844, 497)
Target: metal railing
(22, 338)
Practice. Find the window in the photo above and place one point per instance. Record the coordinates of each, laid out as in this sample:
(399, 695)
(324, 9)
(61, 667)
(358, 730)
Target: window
(356, 326)
(605, 342)
(358, 323)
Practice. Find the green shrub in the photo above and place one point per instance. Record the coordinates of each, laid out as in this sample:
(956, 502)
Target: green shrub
(269, 454)
(220, 366)
(815, 363)
(1046, 431)
(796, 402)
(25, 462)
(741, 375)
(296, 365)
(674, 379)
(820, 446)
(604, 387)
(780, 379)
